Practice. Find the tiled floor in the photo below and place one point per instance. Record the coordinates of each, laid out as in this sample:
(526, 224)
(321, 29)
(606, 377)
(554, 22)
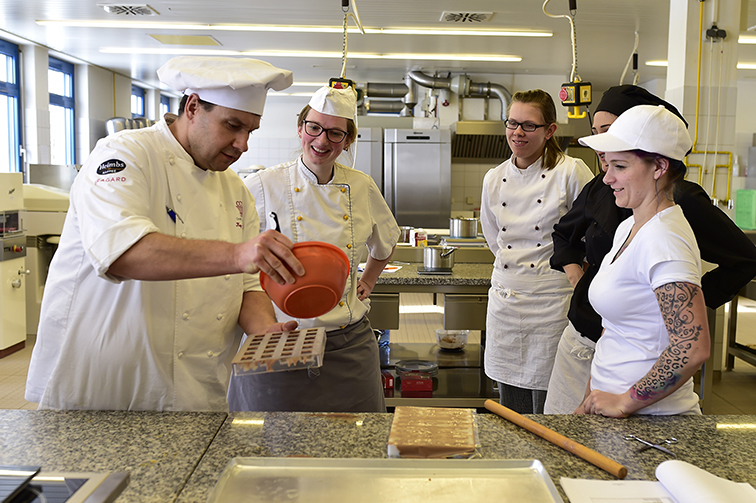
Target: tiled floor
(735, 393)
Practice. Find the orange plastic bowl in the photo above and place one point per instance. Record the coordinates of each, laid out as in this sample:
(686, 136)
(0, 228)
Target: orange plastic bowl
(321, 287)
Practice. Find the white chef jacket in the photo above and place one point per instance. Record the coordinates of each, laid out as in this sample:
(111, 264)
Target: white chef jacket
(109, 344)
(348, 211)
(528, 301)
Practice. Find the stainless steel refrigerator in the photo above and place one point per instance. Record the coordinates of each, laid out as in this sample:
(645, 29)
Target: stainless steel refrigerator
(417, 176)
(369, 153)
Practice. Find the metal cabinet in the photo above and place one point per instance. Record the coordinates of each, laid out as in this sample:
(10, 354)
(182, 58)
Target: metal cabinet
(465, 311)
(384, 311)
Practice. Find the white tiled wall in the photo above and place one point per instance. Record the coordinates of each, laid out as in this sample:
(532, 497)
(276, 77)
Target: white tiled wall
(268, 152)
(467, 184)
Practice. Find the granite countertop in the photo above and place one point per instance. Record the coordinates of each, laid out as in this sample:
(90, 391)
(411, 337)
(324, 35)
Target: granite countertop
(159, 450)
(178, 456)
(470, 274)
(723, 445)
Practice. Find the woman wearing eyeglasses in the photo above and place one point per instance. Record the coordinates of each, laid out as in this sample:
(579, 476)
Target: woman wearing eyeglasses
(522, 200)
(314, 198)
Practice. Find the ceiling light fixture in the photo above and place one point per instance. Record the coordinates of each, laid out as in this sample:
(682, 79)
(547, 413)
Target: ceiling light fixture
(291, 29)
(740, 66)
(747, 39)
(497, 58)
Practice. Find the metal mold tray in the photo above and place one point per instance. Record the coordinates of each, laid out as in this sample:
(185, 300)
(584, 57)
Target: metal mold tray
(325, 480)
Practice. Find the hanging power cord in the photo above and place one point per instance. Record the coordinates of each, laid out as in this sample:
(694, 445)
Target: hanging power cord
(350, 152)
(633, 59)
(573, 74)
(574, 94)
(345, 43)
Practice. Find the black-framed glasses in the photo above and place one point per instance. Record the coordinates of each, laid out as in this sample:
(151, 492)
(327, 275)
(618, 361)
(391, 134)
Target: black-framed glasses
(333, 135)
(528, 127)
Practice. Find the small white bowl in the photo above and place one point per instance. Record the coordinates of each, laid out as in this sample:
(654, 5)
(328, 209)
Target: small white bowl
(451, 339)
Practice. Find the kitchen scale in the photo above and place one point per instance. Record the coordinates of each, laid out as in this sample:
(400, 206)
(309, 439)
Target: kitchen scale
(279, 351)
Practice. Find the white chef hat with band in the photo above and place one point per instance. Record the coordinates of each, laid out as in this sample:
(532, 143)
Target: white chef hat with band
(337, 102)
(238, 83)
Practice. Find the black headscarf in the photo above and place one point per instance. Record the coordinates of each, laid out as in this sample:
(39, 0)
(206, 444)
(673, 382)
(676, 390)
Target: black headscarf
(619, 99)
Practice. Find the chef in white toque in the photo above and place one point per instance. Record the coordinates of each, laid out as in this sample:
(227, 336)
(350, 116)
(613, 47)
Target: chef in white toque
(159, 255)
(316, 198)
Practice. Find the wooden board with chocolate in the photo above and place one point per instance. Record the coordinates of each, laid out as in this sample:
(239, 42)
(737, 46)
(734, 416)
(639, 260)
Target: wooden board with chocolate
(432, 432)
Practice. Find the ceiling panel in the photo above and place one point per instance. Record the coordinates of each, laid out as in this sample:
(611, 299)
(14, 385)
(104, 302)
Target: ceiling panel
(605, 35)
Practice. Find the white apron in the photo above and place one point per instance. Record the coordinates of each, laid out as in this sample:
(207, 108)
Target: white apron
(528, 301)
(140, 345)
(524, 321)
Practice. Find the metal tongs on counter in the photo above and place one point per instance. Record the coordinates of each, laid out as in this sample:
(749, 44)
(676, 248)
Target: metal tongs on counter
(651, 445)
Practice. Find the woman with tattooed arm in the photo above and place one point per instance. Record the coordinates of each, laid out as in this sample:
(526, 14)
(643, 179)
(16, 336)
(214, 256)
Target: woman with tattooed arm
(648, 288)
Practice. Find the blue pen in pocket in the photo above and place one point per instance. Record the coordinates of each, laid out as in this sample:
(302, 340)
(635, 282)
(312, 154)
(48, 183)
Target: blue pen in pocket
(171, 214)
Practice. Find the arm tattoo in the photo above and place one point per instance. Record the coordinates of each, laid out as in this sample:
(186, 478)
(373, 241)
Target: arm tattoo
(675, 301)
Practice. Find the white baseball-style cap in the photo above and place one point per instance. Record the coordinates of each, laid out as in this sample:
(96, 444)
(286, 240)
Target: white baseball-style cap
(650, 128)
(337, 102)
(238, 83)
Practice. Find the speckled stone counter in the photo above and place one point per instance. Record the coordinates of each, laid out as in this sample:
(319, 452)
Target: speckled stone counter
(465, 278)
(159, 450)
(179, 456)
(723, 445)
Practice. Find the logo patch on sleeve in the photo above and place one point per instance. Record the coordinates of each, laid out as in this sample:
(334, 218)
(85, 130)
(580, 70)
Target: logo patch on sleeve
(111, 166)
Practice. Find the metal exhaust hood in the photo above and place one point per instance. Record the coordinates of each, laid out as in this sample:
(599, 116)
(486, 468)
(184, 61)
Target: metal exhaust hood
(480, 140)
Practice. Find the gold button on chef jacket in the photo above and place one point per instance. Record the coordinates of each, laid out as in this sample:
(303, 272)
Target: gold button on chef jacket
(349, 211)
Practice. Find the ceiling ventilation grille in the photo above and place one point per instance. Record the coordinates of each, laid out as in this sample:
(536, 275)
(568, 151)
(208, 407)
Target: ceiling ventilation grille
(466, 17)
(129, 9)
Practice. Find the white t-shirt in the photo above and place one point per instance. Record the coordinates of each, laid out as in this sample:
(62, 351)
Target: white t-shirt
(663, 251)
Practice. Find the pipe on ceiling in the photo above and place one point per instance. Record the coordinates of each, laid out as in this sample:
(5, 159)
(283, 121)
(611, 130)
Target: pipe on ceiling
(384, 106)
(464, 88)
(385, 90)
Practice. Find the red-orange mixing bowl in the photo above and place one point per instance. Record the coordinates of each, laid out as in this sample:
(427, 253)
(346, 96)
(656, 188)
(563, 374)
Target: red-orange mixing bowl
(321, 287)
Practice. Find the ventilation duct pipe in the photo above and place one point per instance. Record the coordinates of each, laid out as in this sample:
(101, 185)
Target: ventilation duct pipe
(385, 90)
(488, 89)
(463, 87)
(384, 106)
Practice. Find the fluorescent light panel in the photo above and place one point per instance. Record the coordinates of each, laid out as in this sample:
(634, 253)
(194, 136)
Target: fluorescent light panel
(741, 66)
(500, 58)
(290, 29)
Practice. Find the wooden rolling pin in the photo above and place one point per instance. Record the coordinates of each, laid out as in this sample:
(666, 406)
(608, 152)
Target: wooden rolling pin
(555, 438)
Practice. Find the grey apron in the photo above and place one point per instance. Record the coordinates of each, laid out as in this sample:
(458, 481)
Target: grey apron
(348, 381)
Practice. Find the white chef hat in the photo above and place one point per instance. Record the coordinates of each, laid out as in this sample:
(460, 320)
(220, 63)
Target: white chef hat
(649, 128)
(337, 102)
(238, 83)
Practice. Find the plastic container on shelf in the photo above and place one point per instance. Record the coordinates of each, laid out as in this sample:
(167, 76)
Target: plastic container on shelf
(452, 339)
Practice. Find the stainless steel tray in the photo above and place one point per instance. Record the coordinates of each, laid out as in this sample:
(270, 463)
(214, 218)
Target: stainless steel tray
(329, 480)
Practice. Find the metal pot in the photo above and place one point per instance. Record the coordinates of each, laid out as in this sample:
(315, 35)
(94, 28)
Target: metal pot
(463, 227)
(438, 258)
